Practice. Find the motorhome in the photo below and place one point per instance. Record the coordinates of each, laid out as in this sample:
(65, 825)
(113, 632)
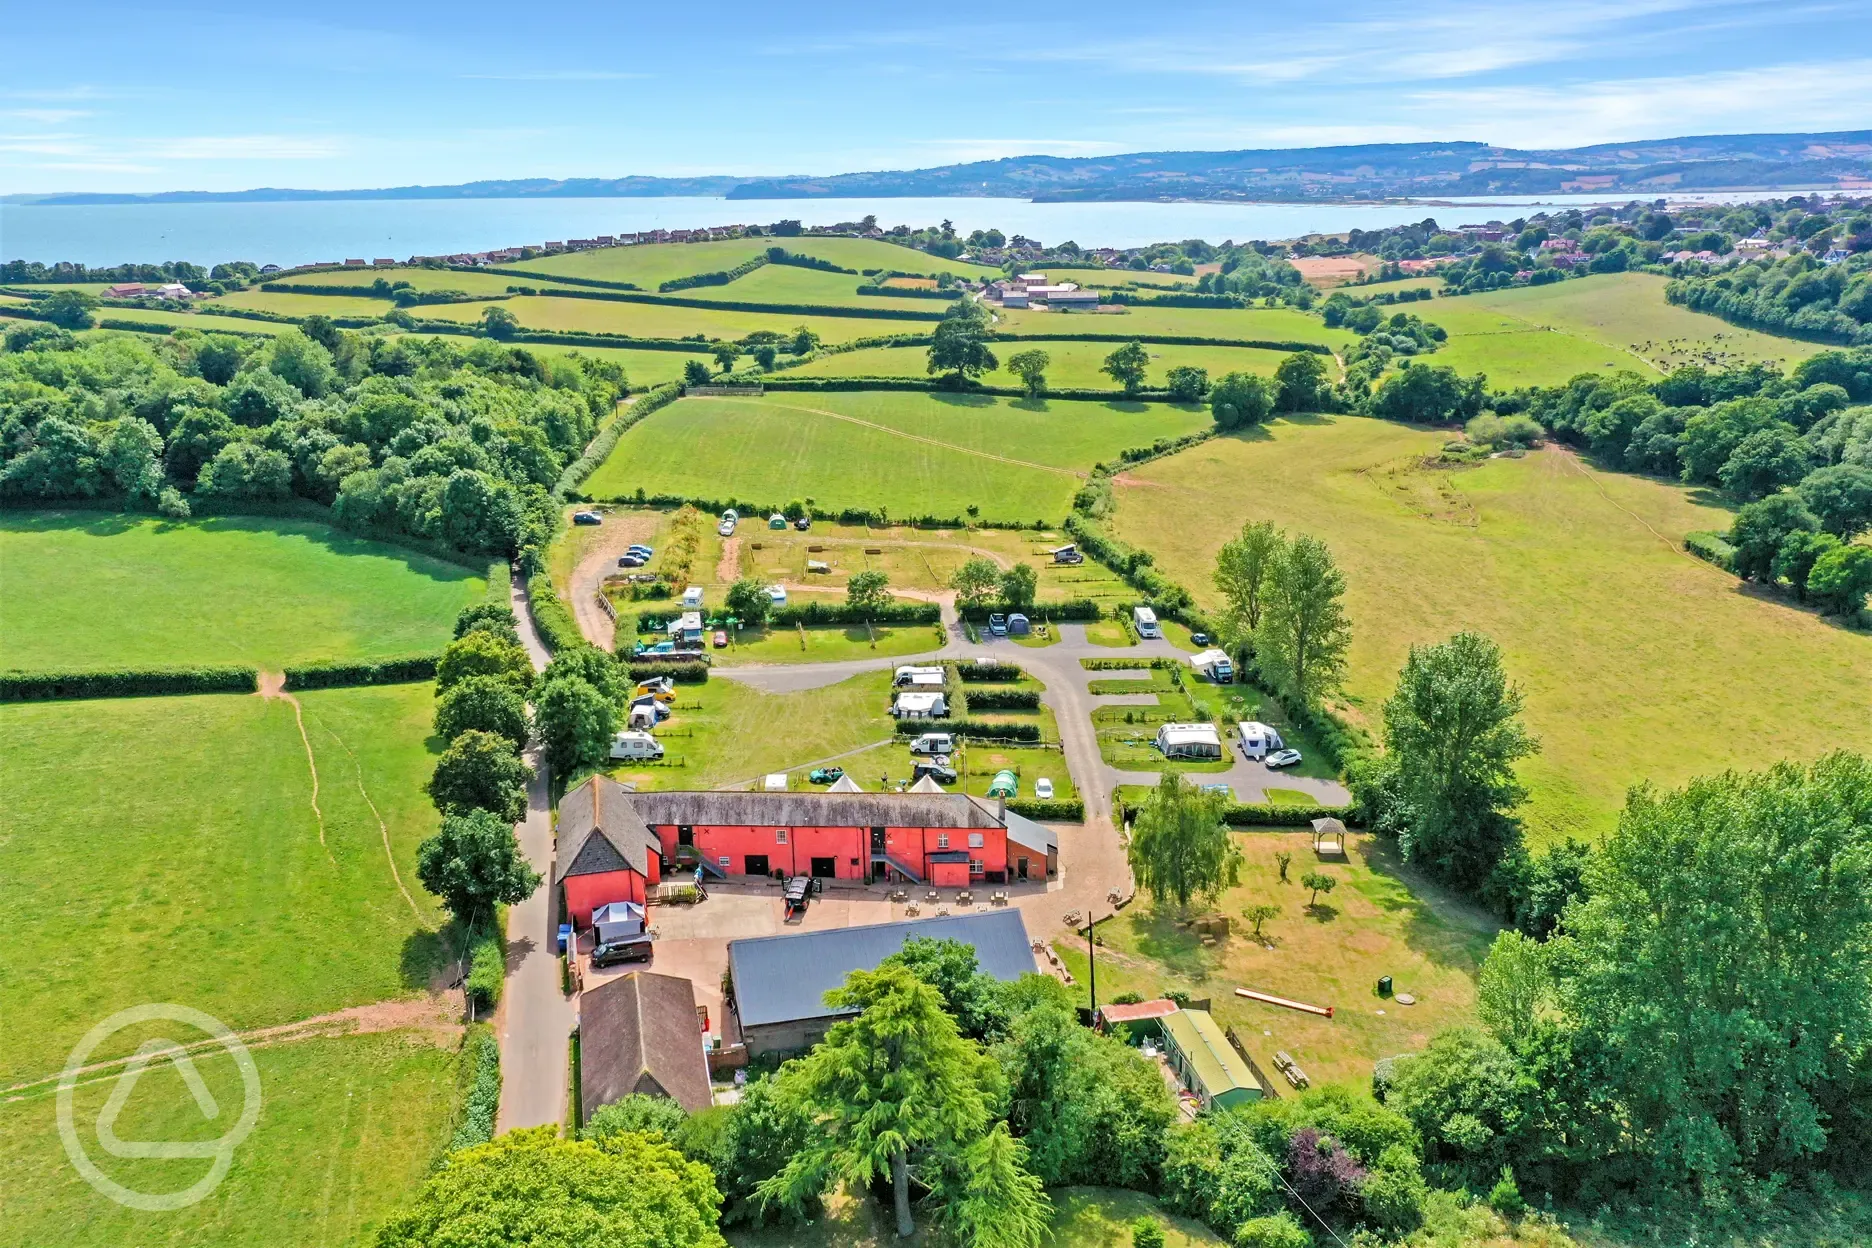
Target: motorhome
(1215, 665)
(1145, 621)
(692, 597)
(909, 675)
(635, 745)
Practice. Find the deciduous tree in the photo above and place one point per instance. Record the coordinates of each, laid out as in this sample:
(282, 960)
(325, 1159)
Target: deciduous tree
(488, 703)
(1244, 569)
(576, 723)
(1301, 642)
(480, 771)
(482, 653)
(1030, 367)
(1127, 366)
(865, 591)
(976, 581)
(1238, 400)
(749, 601)
(1180, 848)
(474, 864)
(1018, 584)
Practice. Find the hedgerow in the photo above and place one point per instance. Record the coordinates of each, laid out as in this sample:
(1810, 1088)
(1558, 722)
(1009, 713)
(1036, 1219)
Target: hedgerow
(974, 729)
(601, 446)
(126, 682)
(1004, 699)
(384, 672)
(1056, 810)
(682, 673)
(987, 671)
(1068, 609)
(481, 1068)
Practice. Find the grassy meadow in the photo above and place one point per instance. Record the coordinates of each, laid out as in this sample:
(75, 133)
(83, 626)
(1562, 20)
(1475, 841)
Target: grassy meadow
(788, 283)
(913, 453)
(95, 589)
(348, 1127)
(652, 264)
(286, 303)
(1376, 921)
(1260, 324)
(168, 849)
(653, 320)
(1639, 662)
(643, 368)
(419, 278)
(1072, 365)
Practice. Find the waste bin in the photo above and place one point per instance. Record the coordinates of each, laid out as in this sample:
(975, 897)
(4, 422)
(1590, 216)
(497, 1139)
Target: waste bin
(1384, 985)
(565, 936)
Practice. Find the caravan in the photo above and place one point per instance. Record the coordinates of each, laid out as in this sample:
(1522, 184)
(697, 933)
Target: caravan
(1189, 741)
(1258, 740)
(921, 705)
(918, 677)
(1215, 665)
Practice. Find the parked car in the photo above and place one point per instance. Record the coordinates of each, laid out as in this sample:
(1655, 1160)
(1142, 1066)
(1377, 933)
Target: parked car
(942, 773)
(1221, 789)
(1043, 789)
(632, 949)
(803, 523)
(933, 743)
(638, 548)
(997, 624)
(587, 517)
(799, 889)
(826, 775)
(1200, 639)
(725, 528)
(720, 639)
(631, 561)
(1282, 758)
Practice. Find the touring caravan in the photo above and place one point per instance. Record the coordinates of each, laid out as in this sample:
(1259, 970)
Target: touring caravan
(913, 677)
(1189, 741)
(1258, 740)
(918, 705)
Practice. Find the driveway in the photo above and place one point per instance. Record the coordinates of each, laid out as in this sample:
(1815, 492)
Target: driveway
(534, 1019)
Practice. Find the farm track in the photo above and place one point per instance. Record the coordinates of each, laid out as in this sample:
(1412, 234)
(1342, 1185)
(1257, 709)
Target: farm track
(273, 685)
(382, 827)
(917, 437)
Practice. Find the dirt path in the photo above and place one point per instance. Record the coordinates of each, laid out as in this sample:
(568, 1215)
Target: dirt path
(728, 567)
(438, 1017)
(382, 827)
(1568, 457)
(273, 685)
(916, 437)
(620, 532)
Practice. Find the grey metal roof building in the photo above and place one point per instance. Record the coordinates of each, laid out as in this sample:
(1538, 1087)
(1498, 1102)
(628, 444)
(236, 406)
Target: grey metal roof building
(780, 982)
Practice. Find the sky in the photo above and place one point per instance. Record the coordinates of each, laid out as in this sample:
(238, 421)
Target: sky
(151, 96)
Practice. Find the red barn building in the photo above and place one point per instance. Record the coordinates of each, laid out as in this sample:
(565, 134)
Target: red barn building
(613, 842)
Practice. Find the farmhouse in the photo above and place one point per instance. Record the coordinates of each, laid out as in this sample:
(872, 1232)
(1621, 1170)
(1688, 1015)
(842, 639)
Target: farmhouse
(614, 844)
(780, 982)
(639, 1033)
(1189, 741)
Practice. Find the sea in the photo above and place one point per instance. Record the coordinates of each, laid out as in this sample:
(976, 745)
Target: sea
(306, 232)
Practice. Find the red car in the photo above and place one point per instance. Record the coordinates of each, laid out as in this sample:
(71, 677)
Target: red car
(721, 639)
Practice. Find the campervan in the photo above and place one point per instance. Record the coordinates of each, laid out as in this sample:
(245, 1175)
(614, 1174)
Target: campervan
(1145, 620)
(933, 743)
(1257, 739)
(1215, 665)
(635, 745)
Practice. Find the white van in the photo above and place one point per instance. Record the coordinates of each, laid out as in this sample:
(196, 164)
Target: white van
(908, 675)
(636, 745)
(1146, 621)
(933, 743)
(1257, 739)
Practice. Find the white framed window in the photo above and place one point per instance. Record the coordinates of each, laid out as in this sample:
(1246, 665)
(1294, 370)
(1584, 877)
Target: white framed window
(975, 840)
(977, 867)
(722, 861)
(942, 840)
(779, 836)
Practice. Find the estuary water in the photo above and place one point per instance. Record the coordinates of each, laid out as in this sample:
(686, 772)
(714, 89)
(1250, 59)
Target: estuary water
(305, 232)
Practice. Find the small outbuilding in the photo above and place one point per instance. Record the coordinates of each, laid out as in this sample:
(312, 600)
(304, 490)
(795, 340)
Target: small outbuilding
(1205, 1062)
(1197, 741)
(1329, 837)
(640, 1033)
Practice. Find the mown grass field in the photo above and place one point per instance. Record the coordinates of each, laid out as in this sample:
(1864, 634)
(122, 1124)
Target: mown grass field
(206, 322)
(1104, 278)
(912, 453)
(291, 304)
(652, 264)
(789, 283)
(1542, 335)
(1639, 662)
(348, 1127)
(167, 849)
(652, 320)
(1376, 921)
(94, 589)
(419, 278)
(1073, 365)
(643, 368)
(1259, 324)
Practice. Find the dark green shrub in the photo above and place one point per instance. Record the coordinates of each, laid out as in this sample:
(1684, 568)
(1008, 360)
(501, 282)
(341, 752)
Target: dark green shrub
(126, 682)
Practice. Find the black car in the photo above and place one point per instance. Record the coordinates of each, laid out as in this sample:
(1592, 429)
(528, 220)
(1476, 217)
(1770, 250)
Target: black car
(799, 889)
(943, 774)
(803, 523)
(631, 949)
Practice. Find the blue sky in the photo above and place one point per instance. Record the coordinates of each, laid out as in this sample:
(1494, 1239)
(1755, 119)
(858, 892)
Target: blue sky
(147, 96)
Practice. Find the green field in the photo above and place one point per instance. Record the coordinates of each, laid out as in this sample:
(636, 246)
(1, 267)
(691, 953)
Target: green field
(1103, 278)
(1639, 661)
(643, 368)
(287, 304)
(167, 849)
(419, 278)
(789, 283)
(1074, 365)
(912, 453)
(1542, 335)
(652, 320)
(1258, 324)
(652, 264)
(94, 589)
(348, 1127)
(208, 323)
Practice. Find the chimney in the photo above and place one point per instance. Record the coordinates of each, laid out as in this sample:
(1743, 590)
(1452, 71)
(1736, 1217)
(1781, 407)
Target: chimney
(1001, 810)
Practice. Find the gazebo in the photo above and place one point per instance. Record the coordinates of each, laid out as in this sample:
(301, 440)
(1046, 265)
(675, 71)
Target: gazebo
(1329, 837)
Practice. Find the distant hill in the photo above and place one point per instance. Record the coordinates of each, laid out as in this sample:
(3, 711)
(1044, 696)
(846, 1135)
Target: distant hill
(1739, 162)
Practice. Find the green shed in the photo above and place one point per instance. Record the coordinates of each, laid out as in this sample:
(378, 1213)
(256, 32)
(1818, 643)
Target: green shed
(1206, 1063)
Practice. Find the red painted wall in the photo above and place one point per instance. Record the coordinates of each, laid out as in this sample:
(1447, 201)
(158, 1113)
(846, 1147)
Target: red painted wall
(949, 874)
(849, 848)
(585, 893)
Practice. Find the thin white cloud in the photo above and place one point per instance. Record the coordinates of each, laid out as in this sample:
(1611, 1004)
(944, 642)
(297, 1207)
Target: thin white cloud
(1812, 96)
